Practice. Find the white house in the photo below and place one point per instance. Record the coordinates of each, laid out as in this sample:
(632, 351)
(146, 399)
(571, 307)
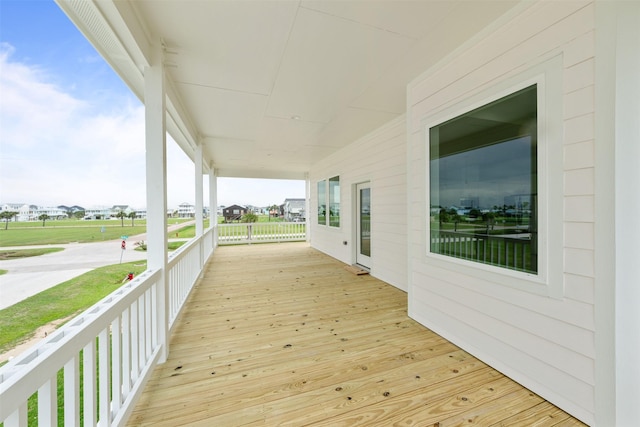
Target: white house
(52, 212)
(25, 212)
(392, 111)
(98, 212)
(294, 208)
(186, 210)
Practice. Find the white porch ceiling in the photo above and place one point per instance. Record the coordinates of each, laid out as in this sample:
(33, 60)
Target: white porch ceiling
(269, 87)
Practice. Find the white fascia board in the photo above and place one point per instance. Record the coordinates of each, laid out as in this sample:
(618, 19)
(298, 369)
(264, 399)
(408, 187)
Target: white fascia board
(259, 174)
(120, 37)
(104, 27)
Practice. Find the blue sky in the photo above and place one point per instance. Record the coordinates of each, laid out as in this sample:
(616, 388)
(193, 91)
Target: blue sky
(72, 133)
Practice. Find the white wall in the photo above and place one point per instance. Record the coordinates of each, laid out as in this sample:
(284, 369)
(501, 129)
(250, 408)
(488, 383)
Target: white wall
(540, 331)
(379, 158)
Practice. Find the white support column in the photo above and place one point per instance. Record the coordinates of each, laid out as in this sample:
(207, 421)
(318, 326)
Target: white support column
(199, 190)
(199, 203)
(307, 206)
(627, 206)
(156, 165)
(213, 201)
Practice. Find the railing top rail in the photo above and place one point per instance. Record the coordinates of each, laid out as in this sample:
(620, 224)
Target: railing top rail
(524, 236)
(236, 224)
(175, 256)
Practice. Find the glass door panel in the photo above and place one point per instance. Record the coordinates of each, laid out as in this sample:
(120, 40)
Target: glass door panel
(363, 225)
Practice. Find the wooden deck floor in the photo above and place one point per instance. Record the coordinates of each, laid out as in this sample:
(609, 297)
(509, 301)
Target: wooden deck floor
(282, 335)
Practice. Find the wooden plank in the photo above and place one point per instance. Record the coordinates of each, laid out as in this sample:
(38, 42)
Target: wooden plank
(283, 335)
(541, 415)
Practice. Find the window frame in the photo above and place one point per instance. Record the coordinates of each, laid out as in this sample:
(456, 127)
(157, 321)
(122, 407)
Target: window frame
(333, 220)
(473, 147)
(326, 197)
(322, 201)
(548, 281)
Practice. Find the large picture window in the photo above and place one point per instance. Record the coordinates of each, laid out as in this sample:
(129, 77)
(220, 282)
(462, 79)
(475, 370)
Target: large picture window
(483, 184)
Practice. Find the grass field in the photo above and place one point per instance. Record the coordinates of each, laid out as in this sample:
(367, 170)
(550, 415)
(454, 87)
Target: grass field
(66, 299)
(19, 321)
(68, 231)
(26, 253)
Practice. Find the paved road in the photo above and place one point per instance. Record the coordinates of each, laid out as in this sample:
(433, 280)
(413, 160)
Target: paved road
(28, 276)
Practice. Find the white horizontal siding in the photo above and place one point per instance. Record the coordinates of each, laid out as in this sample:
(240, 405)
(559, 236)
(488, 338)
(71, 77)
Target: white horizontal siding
(380, 159)
(546, 343)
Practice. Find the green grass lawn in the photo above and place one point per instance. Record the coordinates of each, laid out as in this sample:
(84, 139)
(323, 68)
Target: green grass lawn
(67, 231)
(19, 321)
(58, 235)
(26, 253)
(188, 231)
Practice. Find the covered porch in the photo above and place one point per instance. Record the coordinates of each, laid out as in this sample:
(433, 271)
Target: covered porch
(344, 95)
(282, 334)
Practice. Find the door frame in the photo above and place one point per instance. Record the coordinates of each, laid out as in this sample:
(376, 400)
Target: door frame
(360, 259)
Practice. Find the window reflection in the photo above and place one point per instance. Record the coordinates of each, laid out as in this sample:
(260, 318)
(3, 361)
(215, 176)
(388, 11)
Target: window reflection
(334, 201)
(483, 184)
(322, 202)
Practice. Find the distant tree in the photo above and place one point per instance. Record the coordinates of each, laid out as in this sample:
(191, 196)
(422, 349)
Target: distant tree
(6, 216)
(43, 218)
(122, 215)
(273, 209)
(132, 215)
(490, 219)
(454, 217)
(475, 213)
(78, 214)
(443, 216)
(249, 217)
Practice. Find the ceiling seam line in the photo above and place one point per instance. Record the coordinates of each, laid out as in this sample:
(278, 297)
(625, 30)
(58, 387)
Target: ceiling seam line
(360, 23)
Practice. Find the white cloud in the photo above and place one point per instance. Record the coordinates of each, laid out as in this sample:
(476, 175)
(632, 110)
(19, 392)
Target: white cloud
(58, 149)
(31, 110)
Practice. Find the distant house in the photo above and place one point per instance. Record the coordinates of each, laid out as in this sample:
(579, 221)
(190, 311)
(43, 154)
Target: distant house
(293, 209)
(233, 213)
(97, 212)
(51, 211)
(186, 210)
(120, 208)
(24, 211)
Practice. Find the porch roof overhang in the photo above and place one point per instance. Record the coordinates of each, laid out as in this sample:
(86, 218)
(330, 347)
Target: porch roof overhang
(270, 87)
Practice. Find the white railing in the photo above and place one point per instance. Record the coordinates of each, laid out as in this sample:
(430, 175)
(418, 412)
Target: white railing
(93, 369)
(115, 342)
(184, 267)
(261, 232)
(514, 252)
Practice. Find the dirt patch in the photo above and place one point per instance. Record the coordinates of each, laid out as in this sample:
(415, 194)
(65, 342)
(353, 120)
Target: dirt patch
(5, 255)
(40, 334)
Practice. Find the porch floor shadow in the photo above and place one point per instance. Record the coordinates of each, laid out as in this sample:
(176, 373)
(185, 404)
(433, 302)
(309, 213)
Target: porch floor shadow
(284, 335)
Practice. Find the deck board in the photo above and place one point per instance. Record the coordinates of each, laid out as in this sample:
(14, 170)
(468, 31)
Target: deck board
(283, 335)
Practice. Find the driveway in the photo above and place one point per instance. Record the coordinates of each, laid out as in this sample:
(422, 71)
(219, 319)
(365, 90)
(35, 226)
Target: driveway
(29, 276)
